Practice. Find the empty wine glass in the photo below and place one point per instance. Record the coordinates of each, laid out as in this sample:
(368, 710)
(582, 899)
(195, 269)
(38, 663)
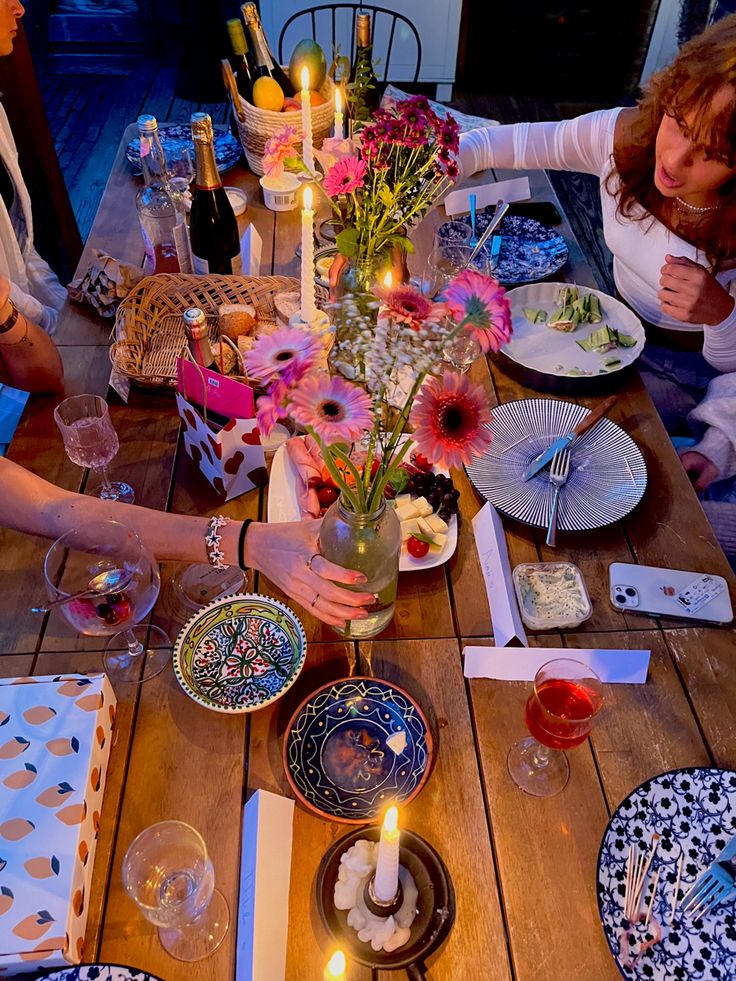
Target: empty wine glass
(91, 441)
(461, 351)
(446, 260)
(179, 167)
(169, 876)
(136, 651)
(560, 712)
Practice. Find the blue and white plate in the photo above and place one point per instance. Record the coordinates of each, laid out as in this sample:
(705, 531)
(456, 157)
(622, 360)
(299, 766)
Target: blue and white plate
(694, 810)
(608, 475)
(100, 972)
(227, 149)
(356, 746)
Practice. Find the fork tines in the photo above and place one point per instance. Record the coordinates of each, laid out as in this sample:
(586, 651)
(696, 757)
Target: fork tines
(706, 892)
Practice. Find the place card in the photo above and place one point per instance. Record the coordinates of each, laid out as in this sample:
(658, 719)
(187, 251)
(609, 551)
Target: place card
(507, 664)
(251, 248)
(516, 189)
(265, 871)
(490, 541)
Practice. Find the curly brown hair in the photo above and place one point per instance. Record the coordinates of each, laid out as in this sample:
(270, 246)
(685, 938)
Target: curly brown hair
(686, 87)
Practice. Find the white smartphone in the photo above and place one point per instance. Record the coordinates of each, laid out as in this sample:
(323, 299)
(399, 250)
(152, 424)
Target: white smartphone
(670, 593)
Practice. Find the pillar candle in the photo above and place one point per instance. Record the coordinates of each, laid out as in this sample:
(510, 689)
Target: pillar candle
(336, 967)
(307, 122)
(386, 882)
(309, 309)
(339, 127)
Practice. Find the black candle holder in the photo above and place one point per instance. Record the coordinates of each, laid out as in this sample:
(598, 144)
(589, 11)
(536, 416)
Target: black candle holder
(377, 906)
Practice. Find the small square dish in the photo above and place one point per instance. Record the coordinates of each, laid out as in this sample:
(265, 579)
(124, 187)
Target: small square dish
(551, 595)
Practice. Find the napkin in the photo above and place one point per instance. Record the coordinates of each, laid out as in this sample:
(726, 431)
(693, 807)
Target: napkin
(490, 541)
(515, 664)
(516, 189)
(106, 282)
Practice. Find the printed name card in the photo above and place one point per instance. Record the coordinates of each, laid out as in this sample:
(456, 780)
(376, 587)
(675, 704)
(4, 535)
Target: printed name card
(490, 541)
(251, 247)
(509, 664)
(516, 189)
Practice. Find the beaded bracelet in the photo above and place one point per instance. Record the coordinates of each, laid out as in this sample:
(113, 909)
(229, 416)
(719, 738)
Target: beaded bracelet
(212, 540)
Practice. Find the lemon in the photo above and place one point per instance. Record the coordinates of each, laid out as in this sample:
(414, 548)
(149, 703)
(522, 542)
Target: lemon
(267, 94)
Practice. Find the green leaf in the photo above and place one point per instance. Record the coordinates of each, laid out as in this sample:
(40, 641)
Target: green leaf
(420, 537)
(399, 480)
(403, 242)
(295, 163)
(347, 242)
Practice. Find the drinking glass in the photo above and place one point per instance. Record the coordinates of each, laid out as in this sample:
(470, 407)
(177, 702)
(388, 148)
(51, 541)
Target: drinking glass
(461, 351)
(446, 260)
(91, 441)
(566, 698)
(169, 876)
(136, 651)
(179, 167)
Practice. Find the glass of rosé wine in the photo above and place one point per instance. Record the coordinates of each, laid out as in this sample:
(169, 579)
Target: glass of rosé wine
(107, 551)
(91, 441)
(560, 713)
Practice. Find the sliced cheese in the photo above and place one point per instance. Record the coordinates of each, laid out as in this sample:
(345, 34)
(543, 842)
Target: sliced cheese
(423, 507)
(408, 528)
(406, 511)
(436, 524)
(425, 527)
(402, 499)
(438, 544)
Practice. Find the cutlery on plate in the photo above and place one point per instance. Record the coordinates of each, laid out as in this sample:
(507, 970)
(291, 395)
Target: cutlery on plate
(713, 886)
(559, 471)
(474, 234)
(495, 251)
(501, 208)
(541, 461)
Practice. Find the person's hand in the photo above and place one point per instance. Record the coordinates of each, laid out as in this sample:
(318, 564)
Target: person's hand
(288, 554)
(692, 294)
(701, 471)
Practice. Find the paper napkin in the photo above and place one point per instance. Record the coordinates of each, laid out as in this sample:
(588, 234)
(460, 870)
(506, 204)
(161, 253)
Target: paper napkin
(521, 664)
(516, 189)
(490, 541)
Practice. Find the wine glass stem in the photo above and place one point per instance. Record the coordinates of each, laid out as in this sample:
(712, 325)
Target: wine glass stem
(135, 648)
(102, 472)
(541, 756)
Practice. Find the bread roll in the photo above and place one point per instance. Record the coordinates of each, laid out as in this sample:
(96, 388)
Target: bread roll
(236, 320)
(226, 359)
(286, 305)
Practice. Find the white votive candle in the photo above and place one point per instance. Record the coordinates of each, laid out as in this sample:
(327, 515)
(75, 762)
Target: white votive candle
(386, 882)
(336, 967)
(339, 124)
(309, 309)
(307, 122)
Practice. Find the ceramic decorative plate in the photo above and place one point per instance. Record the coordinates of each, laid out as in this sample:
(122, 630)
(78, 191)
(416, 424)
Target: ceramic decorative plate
(283, 505)
(527, 251)
(356, 746)
(694, 810)
(607, 479)
(228, 150)
(239, 653)
(553, 352)
(100, 972)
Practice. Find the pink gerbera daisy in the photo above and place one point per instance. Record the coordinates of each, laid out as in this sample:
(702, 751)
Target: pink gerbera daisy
(270, 408)
(287, 354)
(482, 303)
(344, 177)
(408, 306)
(450, 417)
(338, 411)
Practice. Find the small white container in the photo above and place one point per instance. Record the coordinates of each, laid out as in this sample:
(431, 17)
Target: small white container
(238, 199)
(281, 193)
(551, 595)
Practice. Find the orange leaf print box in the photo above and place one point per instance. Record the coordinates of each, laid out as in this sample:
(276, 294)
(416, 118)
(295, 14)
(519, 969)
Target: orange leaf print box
(55, 737)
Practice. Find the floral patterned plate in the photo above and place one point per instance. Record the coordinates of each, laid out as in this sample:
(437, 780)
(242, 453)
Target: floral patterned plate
(227, 149)
(694, 810)
(356, 746)
(239, 653)
(100, 972)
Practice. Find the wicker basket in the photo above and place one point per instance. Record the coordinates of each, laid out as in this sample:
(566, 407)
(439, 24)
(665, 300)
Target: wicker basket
(149, 332)
(261, 124)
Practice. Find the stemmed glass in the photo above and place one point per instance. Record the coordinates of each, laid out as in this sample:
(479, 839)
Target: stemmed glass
(169, 876)
(461, 351)
(446, 260)
(136, 651)
(560, 712)
(91, 441)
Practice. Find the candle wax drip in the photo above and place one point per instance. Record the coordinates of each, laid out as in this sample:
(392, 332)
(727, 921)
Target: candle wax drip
(357, 866)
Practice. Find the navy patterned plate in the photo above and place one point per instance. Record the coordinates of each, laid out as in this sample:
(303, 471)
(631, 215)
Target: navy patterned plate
(356, 746)
(529, 251)
(227, 149)
(694, 810)
(100, 972)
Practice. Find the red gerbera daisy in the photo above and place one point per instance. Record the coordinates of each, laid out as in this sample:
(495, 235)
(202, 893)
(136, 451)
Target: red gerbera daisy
(451, 420)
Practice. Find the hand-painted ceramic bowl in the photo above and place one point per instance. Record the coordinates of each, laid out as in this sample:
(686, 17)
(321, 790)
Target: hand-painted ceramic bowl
(101, 972)
(356, 746)
(240, 653)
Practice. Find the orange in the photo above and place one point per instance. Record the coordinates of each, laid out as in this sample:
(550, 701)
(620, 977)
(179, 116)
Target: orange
(315, 99)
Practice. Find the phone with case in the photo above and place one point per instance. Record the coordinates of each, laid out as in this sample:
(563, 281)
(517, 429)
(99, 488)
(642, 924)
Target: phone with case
(670, 593)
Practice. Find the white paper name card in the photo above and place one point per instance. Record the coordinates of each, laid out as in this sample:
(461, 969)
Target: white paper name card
(490, 541)
(522, 664)
(516, 189)
(265, 871)
(251, 247)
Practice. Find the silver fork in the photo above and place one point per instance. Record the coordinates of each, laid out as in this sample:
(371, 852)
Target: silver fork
(559, 471)
(713, 886)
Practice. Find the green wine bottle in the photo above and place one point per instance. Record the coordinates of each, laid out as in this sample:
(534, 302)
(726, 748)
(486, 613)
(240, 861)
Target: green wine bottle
(364, 95)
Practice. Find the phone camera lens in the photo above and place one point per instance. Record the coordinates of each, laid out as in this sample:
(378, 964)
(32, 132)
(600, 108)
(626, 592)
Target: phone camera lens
(630, 591)
(620, 598)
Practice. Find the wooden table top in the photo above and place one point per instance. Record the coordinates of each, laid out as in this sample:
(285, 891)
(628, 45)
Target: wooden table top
(523, 868)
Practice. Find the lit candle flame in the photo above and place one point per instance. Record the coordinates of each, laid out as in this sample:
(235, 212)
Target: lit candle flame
(336, 966)
(305, 79)
(388, 282)
(391, 820)
(338, 101)
(307, 198)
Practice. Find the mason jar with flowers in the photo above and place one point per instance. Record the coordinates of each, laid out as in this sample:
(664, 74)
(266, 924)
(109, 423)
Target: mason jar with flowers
(363, 439)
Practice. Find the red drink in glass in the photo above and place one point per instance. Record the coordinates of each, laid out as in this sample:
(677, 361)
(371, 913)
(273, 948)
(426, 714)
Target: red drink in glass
(560, 712)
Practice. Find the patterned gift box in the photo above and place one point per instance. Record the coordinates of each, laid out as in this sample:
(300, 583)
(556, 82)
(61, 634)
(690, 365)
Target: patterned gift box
(55, 738)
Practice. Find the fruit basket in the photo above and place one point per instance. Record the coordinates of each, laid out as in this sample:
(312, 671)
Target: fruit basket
(260, 125)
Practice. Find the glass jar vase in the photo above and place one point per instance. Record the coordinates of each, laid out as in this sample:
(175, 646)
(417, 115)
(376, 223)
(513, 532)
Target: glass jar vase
(368, 543)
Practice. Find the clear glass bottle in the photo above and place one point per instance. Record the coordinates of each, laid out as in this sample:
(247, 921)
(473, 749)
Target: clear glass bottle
(371, 544)
(160, 209)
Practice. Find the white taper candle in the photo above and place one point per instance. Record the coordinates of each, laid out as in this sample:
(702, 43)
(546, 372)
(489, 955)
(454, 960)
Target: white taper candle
(339, 124)
(386, 882)
(309, 308)
(307, 152)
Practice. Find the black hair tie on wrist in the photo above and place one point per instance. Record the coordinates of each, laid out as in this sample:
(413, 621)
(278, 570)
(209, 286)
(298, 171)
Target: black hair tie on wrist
(241, 542)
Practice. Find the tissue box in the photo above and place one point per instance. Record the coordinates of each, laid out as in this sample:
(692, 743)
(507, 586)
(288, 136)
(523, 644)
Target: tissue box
(55, 738)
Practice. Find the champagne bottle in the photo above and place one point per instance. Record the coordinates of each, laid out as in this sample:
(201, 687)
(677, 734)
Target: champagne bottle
(212, 223)
(264, 62)
(239, 45)
(364, 96)
(195, 327)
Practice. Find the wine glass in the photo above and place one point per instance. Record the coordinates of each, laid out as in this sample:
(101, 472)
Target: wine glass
(446, 260)
(566, 698)
(461, 351)
(179, 167)
(169, 876)
(91, 441)
(136, 651)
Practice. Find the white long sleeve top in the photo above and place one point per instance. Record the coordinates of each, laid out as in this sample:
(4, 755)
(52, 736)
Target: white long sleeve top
(34, 288)
(585, 144)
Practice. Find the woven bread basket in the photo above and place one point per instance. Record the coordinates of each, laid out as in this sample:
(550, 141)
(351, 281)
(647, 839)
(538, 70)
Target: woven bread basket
(149, 331)
(260, 125)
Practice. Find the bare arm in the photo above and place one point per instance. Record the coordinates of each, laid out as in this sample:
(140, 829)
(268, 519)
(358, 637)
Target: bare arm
(29, 359)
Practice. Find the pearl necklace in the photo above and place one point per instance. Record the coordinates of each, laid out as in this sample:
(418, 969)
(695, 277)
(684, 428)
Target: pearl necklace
(684, 208)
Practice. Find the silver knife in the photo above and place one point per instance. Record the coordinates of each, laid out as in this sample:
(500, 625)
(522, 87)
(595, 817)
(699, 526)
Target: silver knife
(545, 457)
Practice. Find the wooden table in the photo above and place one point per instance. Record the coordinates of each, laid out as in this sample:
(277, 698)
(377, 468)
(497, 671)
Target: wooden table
(523, 869)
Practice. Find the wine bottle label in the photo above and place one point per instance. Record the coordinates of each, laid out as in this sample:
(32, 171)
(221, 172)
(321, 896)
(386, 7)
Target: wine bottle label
(183, 249)
(202, 266)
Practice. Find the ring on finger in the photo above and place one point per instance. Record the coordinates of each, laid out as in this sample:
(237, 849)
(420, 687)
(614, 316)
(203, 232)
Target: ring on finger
(310, 560)
(314, 601)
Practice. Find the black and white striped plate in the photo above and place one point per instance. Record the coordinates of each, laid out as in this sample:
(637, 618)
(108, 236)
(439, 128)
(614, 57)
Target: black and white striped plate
(607, 479)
